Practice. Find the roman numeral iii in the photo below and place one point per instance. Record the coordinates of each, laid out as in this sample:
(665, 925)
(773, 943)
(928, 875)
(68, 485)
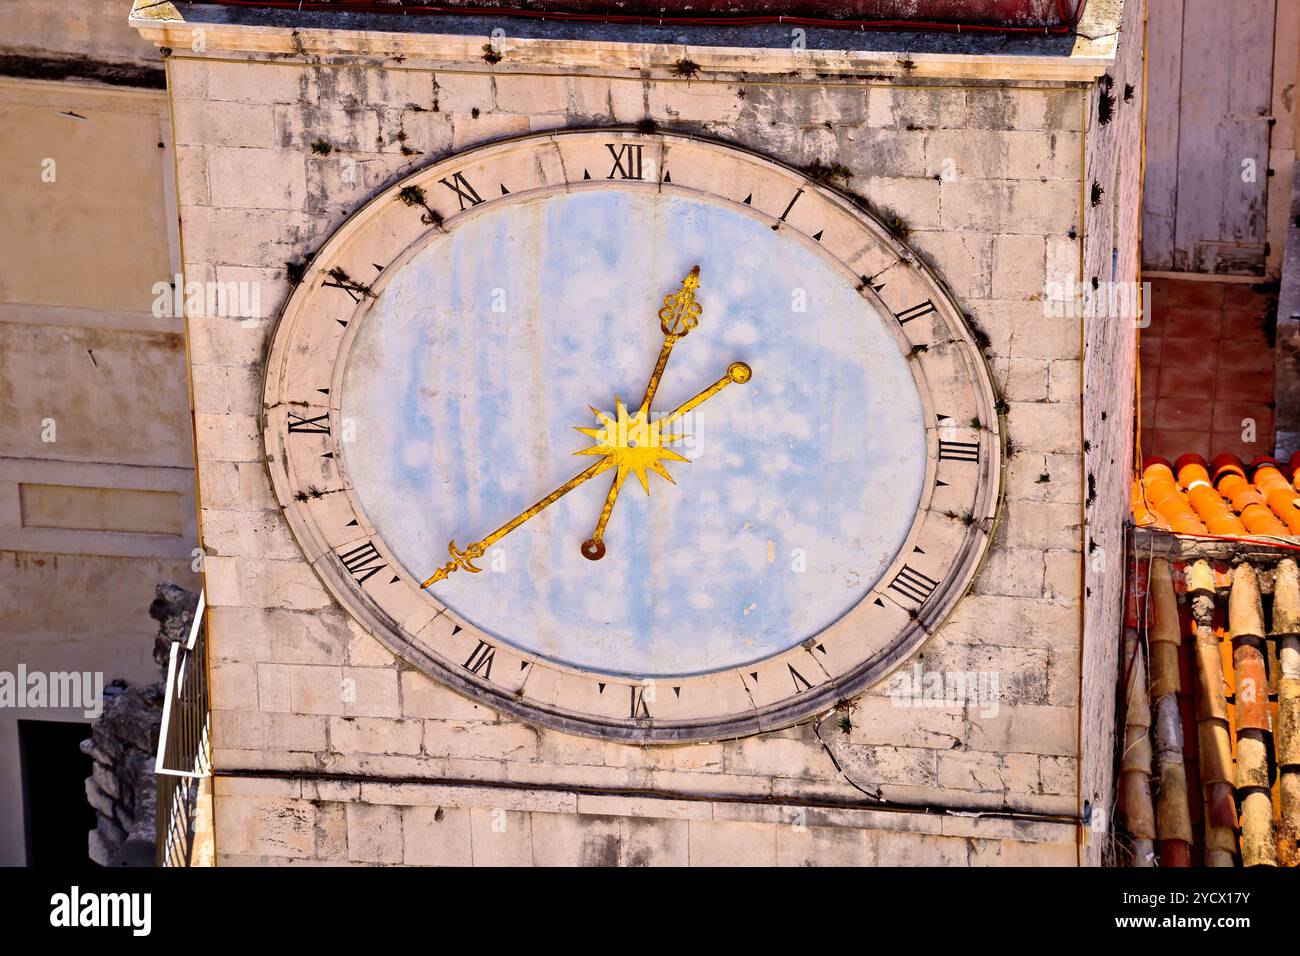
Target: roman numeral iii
(959, 451)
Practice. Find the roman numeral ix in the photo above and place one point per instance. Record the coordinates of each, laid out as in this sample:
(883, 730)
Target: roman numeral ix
(319, 425)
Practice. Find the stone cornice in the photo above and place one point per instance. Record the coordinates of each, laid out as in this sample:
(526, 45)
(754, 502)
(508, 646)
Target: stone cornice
(544, 47)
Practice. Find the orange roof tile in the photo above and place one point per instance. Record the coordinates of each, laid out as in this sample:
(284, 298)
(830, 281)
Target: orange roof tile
(1217, 672)
(1224, 498)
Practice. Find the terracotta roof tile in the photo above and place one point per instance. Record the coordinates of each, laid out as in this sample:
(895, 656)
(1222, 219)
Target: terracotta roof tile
(1225, 497)
(1210, 762)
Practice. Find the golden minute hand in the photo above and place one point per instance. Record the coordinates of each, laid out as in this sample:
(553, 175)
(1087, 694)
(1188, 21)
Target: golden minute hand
(680, 314)
(465, 559)
(737, 372)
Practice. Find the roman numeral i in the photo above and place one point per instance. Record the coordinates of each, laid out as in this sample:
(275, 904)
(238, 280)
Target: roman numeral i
(915, 312)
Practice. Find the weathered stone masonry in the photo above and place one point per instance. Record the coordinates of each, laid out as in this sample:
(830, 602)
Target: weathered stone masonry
(409, 772)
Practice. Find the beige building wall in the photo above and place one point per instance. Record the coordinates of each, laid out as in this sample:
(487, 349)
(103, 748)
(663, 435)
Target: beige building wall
(95, 30)
(96, 467)
(410, 772)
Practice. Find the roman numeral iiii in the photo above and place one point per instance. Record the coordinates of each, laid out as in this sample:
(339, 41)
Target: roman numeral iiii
(913, 584)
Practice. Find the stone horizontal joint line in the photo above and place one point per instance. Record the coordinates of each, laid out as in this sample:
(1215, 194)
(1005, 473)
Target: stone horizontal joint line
(902, 808)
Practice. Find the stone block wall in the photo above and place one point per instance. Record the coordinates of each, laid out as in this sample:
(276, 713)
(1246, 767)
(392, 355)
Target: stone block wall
(988, 179)
(272, 821)
(1112, 181)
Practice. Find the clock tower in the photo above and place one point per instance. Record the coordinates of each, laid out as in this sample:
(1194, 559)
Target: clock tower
(659, 444)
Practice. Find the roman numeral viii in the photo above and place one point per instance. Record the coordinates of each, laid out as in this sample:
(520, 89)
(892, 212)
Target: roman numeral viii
(362, 562)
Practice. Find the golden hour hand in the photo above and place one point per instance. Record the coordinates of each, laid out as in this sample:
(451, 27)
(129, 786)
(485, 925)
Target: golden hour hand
(634, 444)
(680, 314)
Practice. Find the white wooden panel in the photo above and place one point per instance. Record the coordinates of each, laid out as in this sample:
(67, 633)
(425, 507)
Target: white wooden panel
(1224, 108)
(1209, 80)
(1164, 79)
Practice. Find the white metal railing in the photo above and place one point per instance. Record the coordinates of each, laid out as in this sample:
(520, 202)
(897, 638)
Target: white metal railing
(184, 748)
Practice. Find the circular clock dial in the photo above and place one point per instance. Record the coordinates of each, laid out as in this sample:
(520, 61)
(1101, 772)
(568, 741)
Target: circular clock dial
(484, 352)
(634, 435)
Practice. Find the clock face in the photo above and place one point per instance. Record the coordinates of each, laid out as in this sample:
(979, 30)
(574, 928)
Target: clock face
(634, 435)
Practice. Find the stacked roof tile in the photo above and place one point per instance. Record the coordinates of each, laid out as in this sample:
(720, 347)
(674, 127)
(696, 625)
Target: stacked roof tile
(1223, 498)
(1210, 764)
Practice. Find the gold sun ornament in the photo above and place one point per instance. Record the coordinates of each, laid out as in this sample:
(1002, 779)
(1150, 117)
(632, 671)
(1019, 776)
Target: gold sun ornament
(632, 443)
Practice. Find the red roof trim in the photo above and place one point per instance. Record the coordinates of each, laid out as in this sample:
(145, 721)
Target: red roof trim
(1003, 16)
